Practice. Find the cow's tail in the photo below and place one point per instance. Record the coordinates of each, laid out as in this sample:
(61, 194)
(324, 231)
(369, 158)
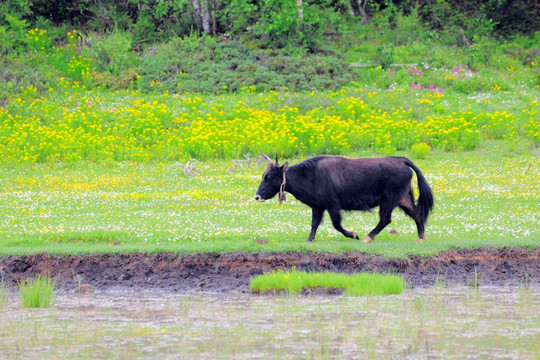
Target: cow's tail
(425, 201)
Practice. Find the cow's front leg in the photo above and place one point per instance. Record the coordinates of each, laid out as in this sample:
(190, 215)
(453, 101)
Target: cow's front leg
(317, 216)
(335, 215)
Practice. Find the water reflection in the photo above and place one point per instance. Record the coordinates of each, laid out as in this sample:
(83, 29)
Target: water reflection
(421, 323)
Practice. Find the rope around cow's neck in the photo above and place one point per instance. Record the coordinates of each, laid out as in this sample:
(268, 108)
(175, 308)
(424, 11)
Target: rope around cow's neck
(282, 196)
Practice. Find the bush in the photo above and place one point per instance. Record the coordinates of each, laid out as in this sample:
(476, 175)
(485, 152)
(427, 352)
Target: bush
(20, 72)
(420, 150)
(210, 66)
(110, 52)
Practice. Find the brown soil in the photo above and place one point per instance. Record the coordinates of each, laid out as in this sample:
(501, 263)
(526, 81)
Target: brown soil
(231, 272)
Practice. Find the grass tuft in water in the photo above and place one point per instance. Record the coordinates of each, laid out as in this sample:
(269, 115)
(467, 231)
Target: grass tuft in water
(37, 292)
(4, 293)
(293, 281)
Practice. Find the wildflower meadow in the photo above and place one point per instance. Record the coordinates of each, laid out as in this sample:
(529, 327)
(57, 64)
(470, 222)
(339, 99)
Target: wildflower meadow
(87, 168)
(94, 125)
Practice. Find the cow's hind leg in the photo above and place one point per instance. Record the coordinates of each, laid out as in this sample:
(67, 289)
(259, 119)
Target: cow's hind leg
(407, 205)
(335, 215)
(317, 216)
(385, 218)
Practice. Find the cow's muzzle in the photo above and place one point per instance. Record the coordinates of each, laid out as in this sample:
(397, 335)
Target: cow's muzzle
(259, 198)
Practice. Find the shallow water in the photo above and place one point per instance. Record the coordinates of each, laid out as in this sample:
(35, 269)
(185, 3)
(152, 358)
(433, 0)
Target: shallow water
(440, 322)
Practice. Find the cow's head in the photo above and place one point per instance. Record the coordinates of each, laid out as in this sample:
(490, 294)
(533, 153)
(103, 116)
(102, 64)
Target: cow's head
(272, 180)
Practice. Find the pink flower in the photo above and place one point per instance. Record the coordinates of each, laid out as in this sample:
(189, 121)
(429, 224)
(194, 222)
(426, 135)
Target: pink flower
(440, 91)
(456, 69)
(513, 74)
(431, 87)
(392, 70)
(89, 103)
(495, 73)
(390, 76)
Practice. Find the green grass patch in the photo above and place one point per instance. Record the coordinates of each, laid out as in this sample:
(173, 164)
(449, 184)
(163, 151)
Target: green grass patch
(293, 282)
(37, 292)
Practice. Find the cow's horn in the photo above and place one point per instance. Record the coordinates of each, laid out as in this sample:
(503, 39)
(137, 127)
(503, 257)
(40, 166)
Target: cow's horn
(277, 159)
(267, 158)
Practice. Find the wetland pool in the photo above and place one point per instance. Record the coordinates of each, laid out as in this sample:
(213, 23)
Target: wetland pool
(430, 323)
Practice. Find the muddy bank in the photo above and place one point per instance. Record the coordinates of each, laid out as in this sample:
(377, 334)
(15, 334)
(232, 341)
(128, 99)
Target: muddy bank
(231, 272)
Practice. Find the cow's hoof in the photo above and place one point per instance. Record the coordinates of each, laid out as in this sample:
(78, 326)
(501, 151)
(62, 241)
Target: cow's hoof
(367, 239)
(309, 240)
(354, 236)
(420, 240)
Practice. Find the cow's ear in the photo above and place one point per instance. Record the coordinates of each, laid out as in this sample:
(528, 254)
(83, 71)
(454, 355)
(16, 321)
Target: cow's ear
(285, 166)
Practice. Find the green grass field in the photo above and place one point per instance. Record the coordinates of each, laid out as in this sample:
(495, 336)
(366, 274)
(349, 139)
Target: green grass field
(485, 197)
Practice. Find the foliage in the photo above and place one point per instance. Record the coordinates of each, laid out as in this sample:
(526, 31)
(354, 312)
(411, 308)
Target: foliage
(37, 292)
(22, 73)
(116, 60)
(111, 53)
(205, 65)
(281, 23)
(420, 150)
(13, 34)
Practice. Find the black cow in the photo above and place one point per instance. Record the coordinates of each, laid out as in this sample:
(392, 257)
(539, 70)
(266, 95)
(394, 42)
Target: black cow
(336, 183)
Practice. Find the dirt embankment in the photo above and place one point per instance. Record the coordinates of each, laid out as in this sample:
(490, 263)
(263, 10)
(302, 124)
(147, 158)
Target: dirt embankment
(231, 272)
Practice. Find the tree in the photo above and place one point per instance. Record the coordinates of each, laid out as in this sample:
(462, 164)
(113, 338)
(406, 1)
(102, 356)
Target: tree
(205, 14)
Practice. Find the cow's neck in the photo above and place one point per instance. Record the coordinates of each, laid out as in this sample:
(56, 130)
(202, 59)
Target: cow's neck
(299, 186)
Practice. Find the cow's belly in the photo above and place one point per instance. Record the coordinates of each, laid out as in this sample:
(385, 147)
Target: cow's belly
(362, 204)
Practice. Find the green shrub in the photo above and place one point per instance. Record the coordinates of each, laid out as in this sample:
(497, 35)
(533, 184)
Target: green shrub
(409, 28)
(13, 34)
(420, 150)
(111, 52)
(21, 72)
(385, 55)
(215, 67)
